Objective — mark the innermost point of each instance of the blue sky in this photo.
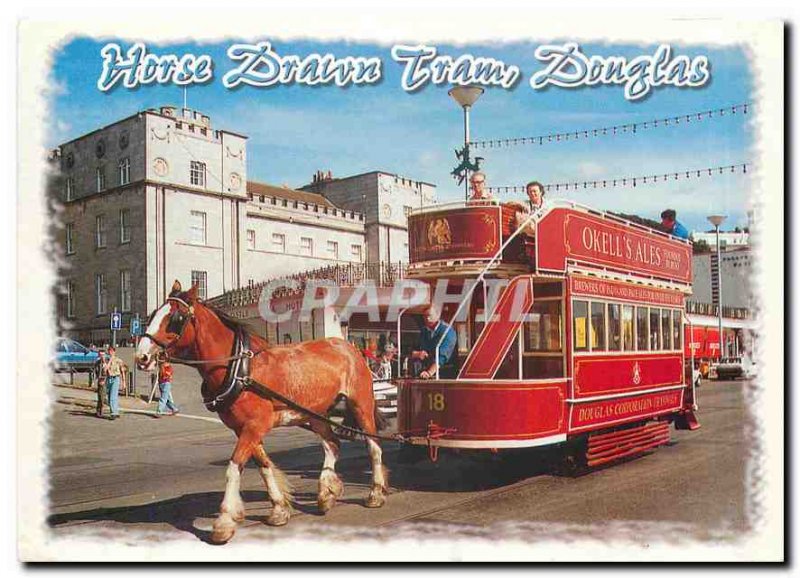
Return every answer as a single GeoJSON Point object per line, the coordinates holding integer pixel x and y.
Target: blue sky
{"type": "Point", "coordinates": [295, 130]}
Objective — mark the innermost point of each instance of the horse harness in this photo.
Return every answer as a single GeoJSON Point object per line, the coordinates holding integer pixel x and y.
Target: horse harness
{"type": "Point", "coordinates": [237, 377]}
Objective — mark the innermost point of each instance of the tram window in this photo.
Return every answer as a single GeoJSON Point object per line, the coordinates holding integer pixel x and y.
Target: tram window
{"type": "Point", "coordinates": [543, 330]}
{"type": "Point", "coordinates": [666, 330]}
{"type": "Point", "coordinates": [580, 312]}
{"type": "Point", "coordinates": [598, 326]}
{"type": "Point", "coordinates": [627, 327]}
{"type": "Point", "coordinates": [641, 329]}
{"type": "Point", "coordinates": [614, 327]}
{"type": "Point", "coordinates": [655, 329]}
{"type": "Point", "coordinates": [677, 330]}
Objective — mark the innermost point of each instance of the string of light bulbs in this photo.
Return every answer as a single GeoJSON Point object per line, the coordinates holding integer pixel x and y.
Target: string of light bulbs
{"type": "Point", "coordinates": [628, 181]}
{"type": "Point", "coordinates": [628, 128]}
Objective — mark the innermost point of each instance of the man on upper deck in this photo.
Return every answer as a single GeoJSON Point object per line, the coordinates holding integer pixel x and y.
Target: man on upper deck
{"type": "Point", "coordinates": [535, 192]}
{"type": "Point", "coordinates": [478, 184]}
{"type": "Point", "coordinates": [425, 361]}
{"type": "Point", "coordinates": [672, 226]}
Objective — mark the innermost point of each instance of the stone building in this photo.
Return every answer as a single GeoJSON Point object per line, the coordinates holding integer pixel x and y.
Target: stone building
{"type": "Point", "coordinates": [162, 195]}
{"type": "Point", "coordinates": [736, 274]}
{"type": "Point", "coordinates": [385, 199]}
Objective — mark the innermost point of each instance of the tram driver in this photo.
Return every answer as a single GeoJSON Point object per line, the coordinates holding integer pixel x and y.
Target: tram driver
{"type": "Point", "coordinates": [424, 361]}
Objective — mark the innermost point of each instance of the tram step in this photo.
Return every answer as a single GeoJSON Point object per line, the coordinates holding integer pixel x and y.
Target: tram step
{"type": "Point", "coordinates": [625, 436]}
{"type": "Point", "coordinates": [604, 448]}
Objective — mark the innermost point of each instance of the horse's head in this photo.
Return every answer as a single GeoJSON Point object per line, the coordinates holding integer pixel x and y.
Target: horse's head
{"type": "Point", "coordinates": [169, 328]}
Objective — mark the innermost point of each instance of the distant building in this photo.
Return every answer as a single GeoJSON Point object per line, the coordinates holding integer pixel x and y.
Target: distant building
{"type": "Point", "coordinates": [727, 240]}
{"type": "Point", "coordinates": [736, 277]}
{"type": "Point", "coordinates": [161, 195]}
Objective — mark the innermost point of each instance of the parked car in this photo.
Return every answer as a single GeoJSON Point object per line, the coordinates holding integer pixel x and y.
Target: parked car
{"type": "Point", "coordinates": [71, 356]}
{"type": "Point", "coordinates": [727, 369]}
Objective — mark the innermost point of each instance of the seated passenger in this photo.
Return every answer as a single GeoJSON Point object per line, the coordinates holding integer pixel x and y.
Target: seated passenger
{"type": "Point", "coordinates": [672, 226]}
{"type": "Point", "coordinates": [478, 183]}
{"type": "Point", "coordinates": [424, 361]}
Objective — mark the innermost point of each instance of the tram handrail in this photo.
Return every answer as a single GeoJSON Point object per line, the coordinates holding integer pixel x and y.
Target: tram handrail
{"type": "Point", "coordinates": [532, 217]}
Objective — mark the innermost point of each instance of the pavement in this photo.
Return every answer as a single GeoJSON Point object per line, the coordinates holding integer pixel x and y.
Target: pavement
{"type": "Point", "coordinates": [166, 476]}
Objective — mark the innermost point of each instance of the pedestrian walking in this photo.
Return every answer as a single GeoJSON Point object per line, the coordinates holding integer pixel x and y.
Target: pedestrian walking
{"type": "Point", "coordinates": [114, 368]}
{"type": "Point", "coordinates": [165, 402]}
{"type": "Point", "coordinates": [100, 379]}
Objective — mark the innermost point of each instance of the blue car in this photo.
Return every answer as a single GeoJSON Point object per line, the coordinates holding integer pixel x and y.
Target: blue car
{"type": "Point", "coordinates": [73, 357]}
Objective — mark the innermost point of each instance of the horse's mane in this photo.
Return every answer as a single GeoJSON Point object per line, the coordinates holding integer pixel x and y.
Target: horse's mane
{"type": "Point", "coordinates": [231, 323]}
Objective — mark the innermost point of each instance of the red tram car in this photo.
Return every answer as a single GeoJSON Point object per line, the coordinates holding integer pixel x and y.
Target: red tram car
{"type": "Point", "coordinates": [584, 340]}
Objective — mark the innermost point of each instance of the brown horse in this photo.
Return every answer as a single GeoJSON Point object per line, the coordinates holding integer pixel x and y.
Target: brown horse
{"type": "Point", "coordinates": [313, 374]}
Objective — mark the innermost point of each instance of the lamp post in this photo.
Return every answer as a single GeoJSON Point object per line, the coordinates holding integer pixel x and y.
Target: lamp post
{"type": "Point", "coordinates": [717, 220]}
{"type": "Point", "coordinates": [466, 96]}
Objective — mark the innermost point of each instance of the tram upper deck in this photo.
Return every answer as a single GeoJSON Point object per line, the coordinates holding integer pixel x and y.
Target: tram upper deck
{"type": "Point", "coordinates": [474, 237]}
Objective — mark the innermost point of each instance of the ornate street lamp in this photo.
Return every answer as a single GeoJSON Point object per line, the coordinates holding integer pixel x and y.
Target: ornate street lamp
{"type": "Point", "coordinates": [717, 220]}
{"type": "Point", "coordinates": [466, 96]}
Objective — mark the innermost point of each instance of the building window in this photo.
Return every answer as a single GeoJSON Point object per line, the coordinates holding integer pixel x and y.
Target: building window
{"type": "Point", "coordinates": [124, 226]}
{"type": "Point", "coordinates": [125, 290]}
{"type": "Point", "coordinates": [100, 178]}
{"type": "Point", "coordinates": [197, 228]}
{"type": "Point", "coordinates": [125, 171]}
{"type": "Point", "coordinates": [70, 299]}
{"type": "Point", "coordinates": [251, 239]}
{"type": "Point", "coordinates": [197, 173]}
{"type": "Point", "coordinates": [70, 231]}
{"type": "Point", "coordinates": [580, 313]}
{"type": "Point", "coordinates": [200, 278]}
{"type": "Point", "coordinates": [355, 252]}
{"type": "Point", "coordinates": [307, 246]}
{"type": "Point", "coordinates": [101, 299]}
{"type": "Point", "coordinates": [100, 231]}
{"type": "Point", "coordinates": [407, 210]}
{"type": "Point", "coordinates": [333, 249]}
{"type": "Point", "coordinates": [69, 188]}
{"type": "Point", "coordinates": [278, 242]}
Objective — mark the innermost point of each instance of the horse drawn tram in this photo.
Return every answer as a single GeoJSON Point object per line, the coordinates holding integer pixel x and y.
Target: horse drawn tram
{"type": "Point", "coordinates": [583, 343]}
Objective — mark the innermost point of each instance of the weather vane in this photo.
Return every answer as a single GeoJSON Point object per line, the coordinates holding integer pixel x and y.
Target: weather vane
{"type": "Point", "coordinates": [465, 166]}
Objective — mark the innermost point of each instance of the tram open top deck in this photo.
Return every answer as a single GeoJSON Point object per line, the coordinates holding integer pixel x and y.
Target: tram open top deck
{"type": "Point", "coordinates": [464, 238]}
{"type": "Point", "coordinates": [600, 342]}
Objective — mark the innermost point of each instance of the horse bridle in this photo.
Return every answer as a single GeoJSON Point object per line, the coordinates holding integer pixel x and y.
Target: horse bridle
{"type": "Point", "coordinates": [176, 325]}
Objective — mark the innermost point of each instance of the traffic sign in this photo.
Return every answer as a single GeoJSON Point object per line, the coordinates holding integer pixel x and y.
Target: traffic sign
{"type": "Point", "coordinates": [116, 321]}
{"type": "Point", "coordinates": [136, 326]}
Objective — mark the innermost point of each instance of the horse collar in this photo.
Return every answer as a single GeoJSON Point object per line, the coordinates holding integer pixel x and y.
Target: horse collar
{"type": "Point", "coordinates": [236, 376]}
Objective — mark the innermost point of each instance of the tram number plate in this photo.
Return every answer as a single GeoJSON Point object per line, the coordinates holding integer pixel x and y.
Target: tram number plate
{"type": "Point", "coordinates": [436, 401]}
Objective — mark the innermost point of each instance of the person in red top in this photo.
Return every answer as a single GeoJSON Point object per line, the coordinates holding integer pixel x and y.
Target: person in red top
{"type": "Point", "coordinates": [165, 402]}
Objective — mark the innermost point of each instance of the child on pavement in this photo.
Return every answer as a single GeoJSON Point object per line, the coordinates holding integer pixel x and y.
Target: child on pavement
{"type": "Point", "coordinates": [165, 385]}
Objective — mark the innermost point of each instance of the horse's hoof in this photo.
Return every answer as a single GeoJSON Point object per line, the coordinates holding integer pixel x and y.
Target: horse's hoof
{"type": "Point", "coordinates": [376, 498]}
{"type": "Point", "coordinates": [326, 503]}
{"type": "Point", "coordinates": [279, 516]}
{"type": "Point", "coordinates": [223, 530]}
